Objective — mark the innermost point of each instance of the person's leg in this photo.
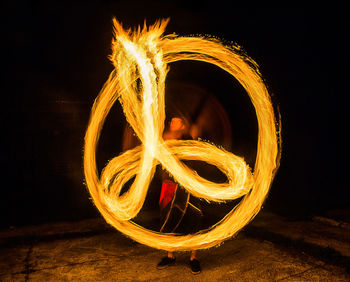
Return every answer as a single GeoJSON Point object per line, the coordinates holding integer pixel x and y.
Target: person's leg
{"type": "Point", "coordinates": [194, 263]}
{"type": "Point", "coordinates": [193, 254]}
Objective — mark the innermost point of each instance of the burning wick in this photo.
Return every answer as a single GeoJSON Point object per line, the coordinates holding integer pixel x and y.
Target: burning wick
{"type": "Point", "coordinates": [138, 81]}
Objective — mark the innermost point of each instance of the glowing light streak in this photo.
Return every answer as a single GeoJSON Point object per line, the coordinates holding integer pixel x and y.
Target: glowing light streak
{"type": "Point", "coordinates": [143, 56]}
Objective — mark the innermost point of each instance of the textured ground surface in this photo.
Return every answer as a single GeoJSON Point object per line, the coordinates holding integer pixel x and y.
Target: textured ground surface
{"type": "Point", "coordinates": [269, 249]}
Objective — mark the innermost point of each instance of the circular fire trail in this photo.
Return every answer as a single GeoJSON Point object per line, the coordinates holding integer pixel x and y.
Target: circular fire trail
{"type": "Point", "coordinates": [138, 82]}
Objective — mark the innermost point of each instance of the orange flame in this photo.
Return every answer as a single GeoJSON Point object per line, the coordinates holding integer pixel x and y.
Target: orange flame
{"type": "Point", "coordinates": [138, 81]}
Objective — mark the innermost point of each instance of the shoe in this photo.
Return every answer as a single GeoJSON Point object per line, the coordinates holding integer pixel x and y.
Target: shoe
{"type": "Point", "coordinates": [195, 266]}
{"type": "Point", "coordinates": [165, 262]}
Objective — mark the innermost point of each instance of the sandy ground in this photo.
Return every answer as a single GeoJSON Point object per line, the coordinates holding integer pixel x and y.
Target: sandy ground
{"type": "Point", "coordinates": [271, 248]}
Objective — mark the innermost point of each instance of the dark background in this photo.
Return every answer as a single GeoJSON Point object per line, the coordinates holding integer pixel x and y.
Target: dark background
{"type": "Point", "coordinates": [55, 62]}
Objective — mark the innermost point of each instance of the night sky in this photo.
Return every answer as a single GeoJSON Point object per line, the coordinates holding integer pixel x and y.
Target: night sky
{"type": "Point", "coordinates": [56, 63]}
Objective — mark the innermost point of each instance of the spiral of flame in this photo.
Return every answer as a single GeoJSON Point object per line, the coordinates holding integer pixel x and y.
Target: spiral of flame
{"type": "Point", "coordinates": [143, 56]}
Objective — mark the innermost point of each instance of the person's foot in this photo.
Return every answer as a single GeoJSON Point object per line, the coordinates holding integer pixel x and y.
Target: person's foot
{"type": "Point", "coordinates": [165, 262]}
{"type": "Point", "coordinates": [195, 266]}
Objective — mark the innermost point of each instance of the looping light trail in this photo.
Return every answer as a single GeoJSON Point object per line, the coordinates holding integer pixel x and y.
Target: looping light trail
{"type": "Point", "coordinates": [138, 81]}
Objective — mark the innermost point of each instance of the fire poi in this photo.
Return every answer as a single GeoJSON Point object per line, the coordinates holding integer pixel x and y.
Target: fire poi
{"type": "Point", "coordinates": [143, 56]}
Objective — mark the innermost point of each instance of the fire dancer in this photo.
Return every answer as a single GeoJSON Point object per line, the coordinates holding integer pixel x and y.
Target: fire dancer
{"type": "Point", "coordinates": [180, 212]}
